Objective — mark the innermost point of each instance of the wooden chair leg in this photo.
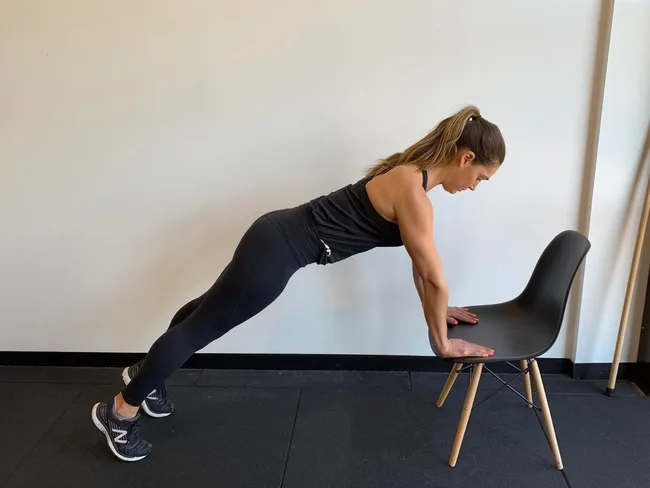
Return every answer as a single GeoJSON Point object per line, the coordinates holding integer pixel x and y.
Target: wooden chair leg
{"type": "Point", "coordinates": [546, 413]}
{"type": "Point", "coordinates": [527, 386]}
{"type": "Point", "coordinates": [449, 383]}
{"type": "Point", "coordinates": [464, 416]}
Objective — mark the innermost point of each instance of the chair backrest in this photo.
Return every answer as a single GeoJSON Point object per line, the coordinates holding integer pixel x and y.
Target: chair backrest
{"type": "Point", "coordinates": [547, 290]}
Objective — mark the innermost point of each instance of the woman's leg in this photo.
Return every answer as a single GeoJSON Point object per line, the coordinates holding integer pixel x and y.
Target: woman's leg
{"type": "Point", "coordinates": [258, 273]}
{"type": "Point", "coordinates": [185, 311]}
{"type": "Point", "coordinates": [156, 404]}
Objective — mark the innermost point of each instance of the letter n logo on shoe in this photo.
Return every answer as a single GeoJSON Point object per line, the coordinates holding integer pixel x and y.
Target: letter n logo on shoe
{"type": "Point", "coordinates": [121, 438]}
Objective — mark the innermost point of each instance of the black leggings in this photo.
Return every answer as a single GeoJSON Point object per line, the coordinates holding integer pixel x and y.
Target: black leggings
{"type": "Point", "coordinates": [274, 247]}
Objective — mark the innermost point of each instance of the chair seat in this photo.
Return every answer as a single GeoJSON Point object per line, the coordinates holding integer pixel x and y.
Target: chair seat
{"type": "Point", "coordinates": [512, 331]}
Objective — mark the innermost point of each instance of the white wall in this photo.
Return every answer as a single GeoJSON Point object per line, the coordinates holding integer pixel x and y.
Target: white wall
{"type": "Point", "coordinates": [139, 139]}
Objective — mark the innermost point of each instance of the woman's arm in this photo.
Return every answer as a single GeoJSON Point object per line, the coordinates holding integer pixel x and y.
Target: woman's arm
{"type": "Point", "coordinates": [454, 314]}
{"type": "Point", "coordinates": [415, 219]}
{"type": "Point", "coordinates": [418, 283]}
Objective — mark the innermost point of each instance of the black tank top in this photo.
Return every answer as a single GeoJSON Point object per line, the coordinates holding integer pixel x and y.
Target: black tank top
{"type": "Point", "coordinates": [348, 224]}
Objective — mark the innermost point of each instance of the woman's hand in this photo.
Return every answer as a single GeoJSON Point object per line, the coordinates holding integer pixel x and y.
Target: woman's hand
{"type": "Point", "coordinates": [457, 348]}
{"type": "Point", "coordinates": [459, 314]}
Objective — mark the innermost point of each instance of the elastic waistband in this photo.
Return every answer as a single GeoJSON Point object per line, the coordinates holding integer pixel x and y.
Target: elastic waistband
{"type": "Point", "coordinates": [297, 227]}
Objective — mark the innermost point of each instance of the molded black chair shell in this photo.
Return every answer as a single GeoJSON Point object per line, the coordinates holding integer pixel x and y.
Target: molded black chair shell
{"type": "Point", "coordinates": [527, 326]}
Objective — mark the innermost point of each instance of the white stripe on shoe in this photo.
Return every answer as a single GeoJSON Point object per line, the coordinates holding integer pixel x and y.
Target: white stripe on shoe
{"type": "Point", "coordinates": [98, 423]}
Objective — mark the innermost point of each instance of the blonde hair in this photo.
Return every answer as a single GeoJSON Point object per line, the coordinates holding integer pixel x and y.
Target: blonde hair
{"type": "Point", "coordinates": [464, 129]}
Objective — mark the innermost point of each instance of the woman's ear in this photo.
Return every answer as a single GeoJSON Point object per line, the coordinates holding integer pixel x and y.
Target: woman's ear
{"type": "Point", "coordinates": [467, 158]}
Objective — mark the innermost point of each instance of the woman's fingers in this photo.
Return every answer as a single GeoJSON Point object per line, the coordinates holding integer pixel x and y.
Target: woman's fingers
{"type": "Point", "coordinates": [454, 314]}
{"type": "Point", "coordinates": [478, 350]}
{"type": "Point", "coordinates": [467, 316]}
{"type": "Point", "coordinates": [461, 348]}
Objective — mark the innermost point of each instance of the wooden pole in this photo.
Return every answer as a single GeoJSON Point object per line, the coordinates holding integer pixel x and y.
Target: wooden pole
{"type": "Point", "coordinates": [634, 268]}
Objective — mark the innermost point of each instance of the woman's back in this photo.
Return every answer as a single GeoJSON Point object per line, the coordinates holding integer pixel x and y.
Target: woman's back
{"type": "Point", "coordinates": [361, 216]}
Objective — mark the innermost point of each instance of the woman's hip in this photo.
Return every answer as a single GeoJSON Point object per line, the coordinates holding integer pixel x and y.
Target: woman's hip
{"type": "Point", "coordinates": [296, 227]}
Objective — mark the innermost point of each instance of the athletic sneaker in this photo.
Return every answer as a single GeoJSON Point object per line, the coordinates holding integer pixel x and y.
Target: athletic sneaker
{"type": "Point", "coordinates": [123, 436]}
{"type": "Point", "coordinates": [156, 404]}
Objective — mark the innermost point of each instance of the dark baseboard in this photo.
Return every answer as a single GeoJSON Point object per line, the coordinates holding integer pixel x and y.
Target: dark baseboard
{"type": "Point", "coordinates": [641, 376]}
{"type": "Point", "coordinates": [601, 371]}
{"type": "Point", "coordinates": [345, 362]}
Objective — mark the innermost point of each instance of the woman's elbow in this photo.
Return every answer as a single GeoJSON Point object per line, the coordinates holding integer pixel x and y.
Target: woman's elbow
{"type": "Point", "coordinates": [436, 285]}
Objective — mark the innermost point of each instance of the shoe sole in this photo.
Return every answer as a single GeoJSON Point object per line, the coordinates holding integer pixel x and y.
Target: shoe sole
{"type": "Point", "coordinates": [100, 426]}
{"type": "Point", "coordinates": [127, 379]}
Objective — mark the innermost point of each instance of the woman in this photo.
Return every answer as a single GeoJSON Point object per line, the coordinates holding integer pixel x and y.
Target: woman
{"type": "Point", "coordinates": [388, 207]}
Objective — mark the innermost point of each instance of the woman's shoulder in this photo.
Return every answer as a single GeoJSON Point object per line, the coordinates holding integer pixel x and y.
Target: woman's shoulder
{"type": "Point", "coordinates": [401, 181]}
{"type": "Point", "coordinates": [399, 187]}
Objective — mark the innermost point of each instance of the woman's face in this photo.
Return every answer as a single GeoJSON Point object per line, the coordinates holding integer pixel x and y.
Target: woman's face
{"type": "Point", "coordinates": [464, 174]}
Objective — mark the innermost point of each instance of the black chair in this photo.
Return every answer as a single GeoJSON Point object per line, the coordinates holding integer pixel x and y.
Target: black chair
{"type": "Point", "coordinates": [521, 330]}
